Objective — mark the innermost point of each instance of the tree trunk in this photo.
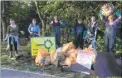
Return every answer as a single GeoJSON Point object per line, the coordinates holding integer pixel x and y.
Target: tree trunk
{"type": "Point", "coordinates": [43, 25]}
{"type": "Point", "coordinates": [3, 26]}
{"type": "Point", "coordinates": [3, 29]}
{"type": "Point", "coordinates": [42, 21]}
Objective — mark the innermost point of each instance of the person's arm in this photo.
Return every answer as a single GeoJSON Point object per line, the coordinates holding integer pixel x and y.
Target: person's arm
{"type": "Point", "coordinates": [117, 20]}
{"type": "Point", "coordinates": [88, 31]}
{"type": "Point", "coordinates": [60, 22]}
{"type": "Point", "coordinates": [38, 30]}
{"type": "Point", "coordinates": [7, 33]}
{"type": "Point", "coordinates": [96, 28]}
{"type": "Point", "coordinates": [84, 32]}
{"type": "Point", "coordinates": [6, 37]}
{"type": "Point", "coordinates": [17, 30]}
{"type": "Point", "coordinates": [75, 28]}
{"type": "Point", "coordinates": [102, 17]}
{"type": "Point", "coordinates": [118, 14]}
{"type": "Point", "coordinates": [51, 22]}
{"type": "Point", "coordinates": [8, 28]}
{"type": "Point", "coordinates": [89, 24]}
{"type": "Point", "coordinates": [29, 28]}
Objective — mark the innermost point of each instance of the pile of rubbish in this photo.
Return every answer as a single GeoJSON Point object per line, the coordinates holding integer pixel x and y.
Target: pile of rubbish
{"type": "Point", "coordinates": [63, 56]}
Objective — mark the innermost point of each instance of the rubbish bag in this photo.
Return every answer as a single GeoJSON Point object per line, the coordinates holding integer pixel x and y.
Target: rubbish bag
{"type": "Point", "coordinates": [57, 57]}
{"type": "Point", "coordinates": [71, 57]}
{"type": "Point", "coordinates": [67, 47]}
{"type": "Point", "coordinates": [42, 58]}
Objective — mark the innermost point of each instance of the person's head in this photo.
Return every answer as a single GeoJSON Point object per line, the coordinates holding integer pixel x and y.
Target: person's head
{"type": "Point", "coordinates": [12, 21]}
{"type": "Point", "coordinates": [93, 18]}
{"type": "Point", "coordinates": [79, 21]}
{"type": "Point", "coordinates": [55, 17]}
{"type": "Point", "coordinates": [33, 21]}
{"type": "Point", "coordinates": [111, 18]}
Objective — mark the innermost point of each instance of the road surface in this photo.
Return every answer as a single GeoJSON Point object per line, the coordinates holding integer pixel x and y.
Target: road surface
{"type": "Point", "coordinates": [11, 73]}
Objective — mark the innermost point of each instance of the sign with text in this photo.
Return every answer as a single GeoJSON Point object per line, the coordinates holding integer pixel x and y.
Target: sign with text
{"type": "Point", "coordinates": [83, 62]}
{"type": "Point", "coordinates": [84, 58]}
{"type": "Point", "coordinates": [42, 43]}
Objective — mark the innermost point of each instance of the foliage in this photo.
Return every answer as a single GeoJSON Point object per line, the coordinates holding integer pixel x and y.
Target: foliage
{"type": "Point", "coordinates": [23, 11]}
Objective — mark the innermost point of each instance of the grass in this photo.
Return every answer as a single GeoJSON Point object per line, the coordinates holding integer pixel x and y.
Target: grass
{"type": "Point", "coordinates": [29, 65]}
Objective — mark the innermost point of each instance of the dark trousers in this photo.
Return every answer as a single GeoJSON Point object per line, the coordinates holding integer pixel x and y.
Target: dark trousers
{"type": "Point", "coordinates": [57, 36]}
{"type": "Point", "coordinates": [34, 35]}
{"type": "Point", "coordinates": [79, 41]}
{"type": "Point", "coordinates": [11, 39]}
{"type": "Point", "coordinates": [56, 32]}
{"type": "Point", "coordinates": [109, 42]}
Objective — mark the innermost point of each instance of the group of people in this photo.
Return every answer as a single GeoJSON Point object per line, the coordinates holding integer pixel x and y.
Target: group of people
{"type": "Point", "coordinates": [82, 32]}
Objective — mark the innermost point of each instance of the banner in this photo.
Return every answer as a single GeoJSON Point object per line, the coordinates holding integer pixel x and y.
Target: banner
{"type": "Point", "coordinates": [83, 62]}
{"type": "Point", "coordinates": [84, 58]}
{"type": "Point", "coordinates": [42, 43]}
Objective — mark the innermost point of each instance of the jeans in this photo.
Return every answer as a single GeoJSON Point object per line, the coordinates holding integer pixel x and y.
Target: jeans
{"type": "Point", "coordinates": [94, 44]}
{"type": "Point", "coordinates": [109, 42]}
{"type": "Point", "coordinates": [13, 40]}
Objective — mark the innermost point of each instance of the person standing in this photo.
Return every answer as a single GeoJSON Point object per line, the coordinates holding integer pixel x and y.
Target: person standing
{"type": "Point", "coordinates": [79, 34]}
{"type": "Point", "coordinates": [110, 30]}
{"type": "Point", "coordinates": [92, 31]}
{"type": "Point", "coordinates": [12, 30]}
{"type": "Point", "coordinates": [56, 23]}
{"type": "Point", "coordinates": [34, 29]}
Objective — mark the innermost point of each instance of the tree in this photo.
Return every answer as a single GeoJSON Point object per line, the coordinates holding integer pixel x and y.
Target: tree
{"type": "Point", "coordinates": [44, 11]}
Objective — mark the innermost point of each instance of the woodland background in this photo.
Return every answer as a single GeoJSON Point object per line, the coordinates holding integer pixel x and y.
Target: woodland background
{"type": "Point", "coordinates": [68, 11]}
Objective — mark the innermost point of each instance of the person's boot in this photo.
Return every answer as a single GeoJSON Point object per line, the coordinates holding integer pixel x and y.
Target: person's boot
{"type": "Point", "coordinates": [111, 52]}
{"type": "Point", "coordinates": [7, 48]}
{"type": "Point", "coordinates": [106, 50]}
{"type": "Point", "coordinates": [92, 67]}
{"type": "Point", "coordinates": [10, 56]}
{"type": "Point", "coordinates": [16, 54]}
